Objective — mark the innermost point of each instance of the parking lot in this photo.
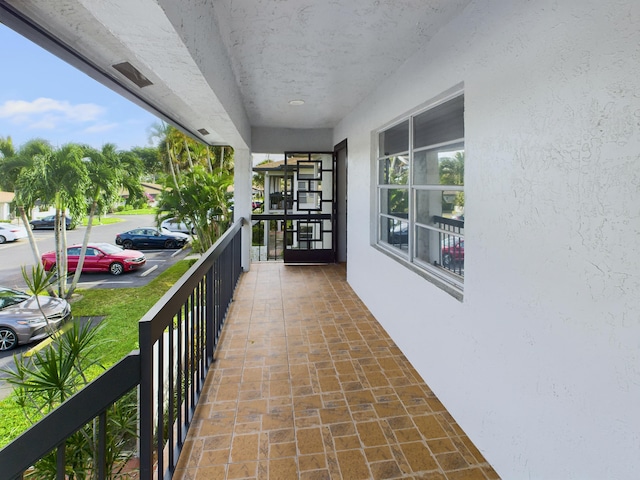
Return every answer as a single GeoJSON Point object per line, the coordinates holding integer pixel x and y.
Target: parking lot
{"type": "Point", "coordinates": [17, 254]}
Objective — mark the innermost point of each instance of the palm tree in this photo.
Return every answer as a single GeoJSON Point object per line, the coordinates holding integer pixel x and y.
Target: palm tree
{"type": "Point", "coordinates": [201, 199]}
{"type": "Point", "coordinates": [12, 164]}
{"type": "Point", "coordinates": [109, 172]}
{"type": "Point", "coordinates": [452, 170]}
{"type": "Point", "coordinates": [58, 178]}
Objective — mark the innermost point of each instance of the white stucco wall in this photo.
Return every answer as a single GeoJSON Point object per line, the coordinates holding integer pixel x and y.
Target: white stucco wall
{"type": "Point", "coordinates": [540, 363]}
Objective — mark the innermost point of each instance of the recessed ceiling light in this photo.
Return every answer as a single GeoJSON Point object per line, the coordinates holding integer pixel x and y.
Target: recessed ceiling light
{"type": "Point", "coordinates": [296, 102]}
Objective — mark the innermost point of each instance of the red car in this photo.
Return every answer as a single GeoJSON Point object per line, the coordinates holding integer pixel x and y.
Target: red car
{"type": "Point", "coordinates": [100, 257]}
{"type": "Point", "coordinates": [453, 252]}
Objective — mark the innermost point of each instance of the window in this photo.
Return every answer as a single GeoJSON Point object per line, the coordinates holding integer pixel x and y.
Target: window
{"type": "Point", "coordinates": [420, 190]}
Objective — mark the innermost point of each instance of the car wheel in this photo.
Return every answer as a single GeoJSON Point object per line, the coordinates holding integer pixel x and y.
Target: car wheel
{"type": "Point", "coordinates": [8, 339]}
{"type": "Point", "coordinates": [116, 268]}
{"type": "Point", "coordinates": [169, 244]}
{"type": "Point", "coordinates": [33, 227]}
{"type": "Point", "coordinates": [2, 239]}
{"type": "Point", "coordinates": [127, 244]}
{"type": "Point", "coordinates": [447, 259]}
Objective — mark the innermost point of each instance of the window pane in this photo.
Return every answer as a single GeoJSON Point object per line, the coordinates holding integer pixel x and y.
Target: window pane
{"type": "Point", "coordinates": [325, 160]}
{"type": "Point", "coordinates": [446, 205]}
{"type": "Point", "coordinates": [394, 139]}
{"type": "Point", "coordinates": [439, 166]}
{"type": "Point", "coordinates": [394, 232]}
{"type": "Point", "coordinates": [309, 170]}
{"type": "Point", "coordinates": [395, 201]}
{"type": "Point", "coordinates": [440, 249]}
{"type": "Point", "coordinates": [439, 124]}
{"type": "Point", "coordinates": [394, 170]}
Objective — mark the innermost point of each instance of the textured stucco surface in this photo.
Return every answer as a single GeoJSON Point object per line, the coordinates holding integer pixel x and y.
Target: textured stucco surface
{"type": "Point", "coordinates": [540, 361]}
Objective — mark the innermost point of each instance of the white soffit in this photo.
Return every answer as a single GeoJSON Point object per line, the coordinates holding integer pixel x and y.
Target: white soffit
{"type": "Point", "coordinates": [331, 54]}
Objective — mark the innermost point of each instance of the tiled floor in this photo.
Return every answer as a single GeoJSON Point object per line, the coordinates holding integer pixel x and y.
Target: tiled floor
{"type": "Point", "coordinates": [307, 385]}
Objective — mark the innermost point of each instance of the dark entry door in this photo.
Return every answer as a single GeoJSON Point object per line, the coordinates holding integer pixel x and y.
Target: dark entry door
{"type": "Point", "coordinates": [310, 219]}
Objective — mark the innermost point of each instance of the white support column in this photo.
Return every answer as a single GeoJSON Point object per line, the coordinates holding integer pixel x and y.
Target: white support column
{"type": "Point", "coordinates": [242, 200]}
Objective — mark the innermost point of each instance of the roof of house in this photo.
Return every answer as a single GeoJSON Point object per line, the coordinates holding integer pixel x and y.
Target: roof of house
{"type": "Point", "coordinates": [275, 165]}
{"type": "Point", "coordinates": [6, 197]}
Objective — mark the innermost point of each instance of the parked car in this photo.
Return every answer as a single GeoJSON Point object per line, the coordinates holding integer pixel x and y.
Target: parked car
{"type": "Point", "coordinates": [453, 252]}
{"type": "Point", "coordinates": [399, 234]}
{"type": "Point", "coordinates": [151, 237]}
{"type": "Point", "coordinates": [49, 222]}
{"type": "Point", "coordinates": [21, 320]}
{"type": "Point", "coordinates": [100, 257]}
{"type": "Point", "coordinates": [173, 225]}
{"type": "Point", "coordinates": [11, 233]}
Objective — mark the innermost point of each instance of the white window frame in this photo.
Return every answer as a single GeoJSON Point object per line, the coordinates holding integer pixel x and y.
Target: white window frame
{"type": "Point", "coordinates": [453, 284]}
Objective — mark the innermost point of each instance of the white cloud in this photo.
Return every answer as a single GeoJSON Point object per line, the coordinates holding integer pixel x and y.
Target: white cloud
{"type": "Point", "coordinates": [100, 127]}
{"type": "Point", "coordinates": [47, 113]}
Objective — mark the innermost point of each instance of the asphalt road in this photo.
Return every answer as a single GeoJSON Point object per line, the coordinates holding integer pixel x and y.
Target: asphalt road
{"type": "Point", "coordinates": [16, 254]}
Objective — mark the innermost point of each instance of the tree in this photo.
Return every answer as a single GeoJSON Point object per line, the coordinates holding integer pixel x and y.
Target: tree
{"type": "Point", "coordinates": [197, 183]}
{"type": "Point", "coordinates": [452, 170]}
{"type": "Point", "coordinates": [12, 164]}
{"type": "Point", "coordinates": [452, 173]}
{"type": "Point", "coordinates": [200, 199]}
{"type": "Point", "coordinates": [109, 172]}
{"type": "Point", "coordinates": [151, 161]}
{"type": "Point", "coordinates": [58, 177]}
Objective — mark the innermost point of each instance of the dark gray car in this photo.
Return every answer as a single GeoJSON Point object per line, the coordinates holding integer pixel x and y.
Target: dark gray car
{"type": "Point", "coordinates": [21, 321]}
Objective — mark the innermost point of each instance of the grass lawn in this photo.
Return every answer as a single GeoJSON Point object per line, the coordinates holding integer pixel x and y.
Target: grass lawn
{"type": "Point", "coordinates": [139, 211]}
{"type": "Point", "coordinates": [101, 221]}
{"type": "Point", "coordinates": [118, 335]}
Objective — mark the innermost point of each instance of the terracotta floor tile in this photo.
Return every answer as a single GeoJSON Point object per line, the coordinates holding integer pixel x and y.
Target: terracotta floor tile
{"type": "Point", "coordinates": [282, 468]}
{"type": "Point", "coordinates": [244, 448]}
{"type": "Point", "coordinates": [242, 470]}
{"type": "Point", "coordinates": [307, 385]}
{"type": "Point", "coordinates": [371, 434]}
{"type": "Point", "coordinates": [353, 465]}
{"type": "Point", "coordinates": [309, 440]}
{"type": "Point", "coordinates": [385, 470]}
{"type": "Point", "coordinates": [312, 462]}
{"type": "Point", "coordinates": [419, 457]}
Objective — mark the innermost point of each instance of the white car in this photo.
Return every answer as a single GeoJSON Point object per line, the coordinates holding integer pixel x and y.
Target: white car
{"type": "Point", "coordinates": [173, 225]}
{"type": "Point", "coordinates": [11, 233]}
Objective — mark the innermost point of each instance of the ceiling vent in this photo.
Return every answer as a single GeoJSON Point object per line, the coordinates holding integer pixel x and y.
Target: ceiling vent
{"type": "Point", "coordinates": [203, 131]}
{"type": "Point", "coordinates": [133, 74]}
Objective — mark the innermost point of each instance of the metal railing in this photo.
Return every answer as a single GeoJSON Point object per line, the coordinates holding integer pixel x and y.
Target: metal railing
{"type": "Point", "coordinates": [178, 337]}
{"type": "Point", "coordinates": [451, 243]}
{"type": "Point", "coordinates": [267, 237]}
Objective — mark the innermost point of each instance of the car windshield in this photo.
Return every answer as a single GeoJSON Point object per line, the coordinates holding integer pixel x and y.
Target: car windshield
{"type": "Point", "coordinates": [10, 297]}
{"type": "Point", "coordinates": [108, 248]}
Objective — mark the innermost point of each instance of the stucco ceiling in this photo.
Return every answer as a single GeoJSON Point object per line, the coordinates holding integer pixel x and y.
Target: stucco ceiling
{"type": "Point", "coordinates": [229, 65]}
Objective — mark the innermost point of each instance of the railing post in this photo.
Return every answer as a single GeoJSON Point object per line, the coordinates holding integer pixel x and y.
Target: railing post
{"type": "Point", "coordinates": [209, 307]}
{"type": "Point", "coordinates": [145, 401]}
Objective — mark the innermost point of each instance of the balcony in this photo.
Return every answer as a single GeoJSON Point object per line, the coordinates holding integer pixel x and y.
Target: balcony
{"type": "Point", "coordinates": [301, 383]}
{"type": "Point", "coordinates": [307, 384]}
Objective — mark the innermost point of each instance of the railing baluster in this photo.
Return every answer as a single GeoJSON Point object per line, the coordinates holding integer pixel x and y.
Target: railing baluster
{"type": "Point", "coordinates": [171, 388]}
{"type": "Point", "coordinates": [60, 461]}
{"type": "Point", "coordinates": [102, 445]}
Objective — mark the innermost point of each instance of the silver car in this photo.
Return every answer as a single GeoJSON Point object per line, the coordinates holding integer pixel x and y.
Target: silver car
{"type": "Point", "coordinates": [21, 320]}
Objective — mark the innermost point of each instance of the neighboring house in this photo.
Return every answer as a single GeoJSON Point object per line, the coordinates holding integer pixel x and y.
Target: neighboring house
{"type": "Point", "coordinates": [533, 342]}
{"type": "Point", "coordinates": [151, 192]}
{"type": "Point", "coordinates": [5, 205]}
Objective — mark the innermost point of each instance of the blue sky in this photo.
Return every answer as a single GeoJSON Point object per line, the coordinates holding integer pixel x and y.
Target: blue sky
{"type": "Point", "coordinates": [43, 97]}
